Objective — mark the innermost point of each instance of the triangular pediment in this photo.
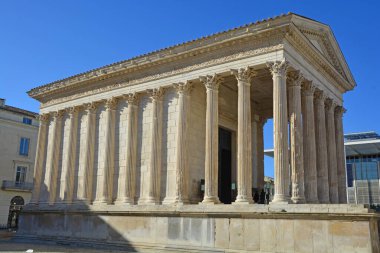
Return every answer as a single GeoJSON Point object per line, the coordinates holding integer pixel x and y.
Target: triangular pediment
{"type": "Point", "coordinates": [322, 38]}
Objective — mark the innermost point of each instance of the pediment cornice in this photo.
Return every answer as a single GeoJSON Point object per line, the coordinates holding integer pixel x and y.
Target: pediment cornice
{"type": "Point", "coordinates": [263, 37]}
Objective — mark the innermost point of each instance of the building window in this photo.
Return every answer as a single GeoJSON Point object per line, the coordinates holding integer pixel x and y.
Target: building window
{"type": "Point", "coordinates": [24, 146]}
{"type": "Point", "coordinates": [27, 121]}
{"type": "Point", "coordinates": [20, 174]}
{"type": "Point", "coordinates": [350, 175]}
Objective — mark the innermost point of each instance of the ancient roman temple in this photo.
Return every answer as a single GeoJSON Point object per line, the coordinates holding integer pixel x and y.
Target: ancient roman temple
{"type": "Point", "coordinates": [165, 150]}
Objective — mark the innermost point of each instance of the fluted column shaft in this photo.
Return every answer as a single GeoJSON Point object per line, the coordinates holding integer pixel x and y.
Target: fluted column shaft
{"type": "Point", "coordinates": [105, 177]}
{"type": "Point", "coordinates": [309, 151]}
{"type": "Point", "coordinates": [331, 151]}
{"type": "Point", "coordinates": [280, 127]}
{"type": "Point", "coordinates": [181, 187]}
{"type": "Point", "coordinates": [254, 151]}
{"type": "Point", "coordinates": [86, 168]}
{"type": "Point", "coordinates": [51, 176]}
{"type": "Point", "coordinates": [212, 126]}
{"type": "Point", "coordinates": [127, 175]}
{"type": "Point", "coordinates": [340, 155]}
{"type": "Point", "coordinates": [244, 135]}
{"type": "Point", "coordinates": [260, 153]}
{"type": "Point", "coordinates": [321, 147]}
{"type": "Point", "coordinates": [296, 137]}
{"type": "Point", "coordinates": [40, 158]}
{"type": "Point", "coordinates": [68, 166]}
{"type": "Point", "coordinates": [153, 197]}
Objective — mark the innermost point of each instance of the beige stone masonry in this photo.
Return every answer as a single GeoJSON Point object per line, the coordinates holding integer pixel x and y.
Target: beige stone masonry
{"type": "Point", "coordinates": [280, 129]}
{"type": "Point", "coordinates": [309, 150]}
{"type": "Point", "coordinates": [104, 191]}
{"type": "Point", "coordinates": [331, 151]}
{"type": "Point", "coordinates": [127, 177]}
{"type": "Point", "coordinates": [340, 155]}
{"type": "Point", "coordinates": [153, 197]}
{"type": "Point", "coordinates": [211, 160]}
{"type": "Point", "coordinates": [40, 158]}
{"type": "Point", "coordinates": [295, 80]}
{"type": "Point", "coordinates": [86, 167]}
{"type": "Point", "coordinates": [68, 166]}
{"type": "Point", "coordinates": [321, 147]}
{"type": "Point", "coordinates": [51, 174]}
{"type": "Point", "coordinates": [244, 151]}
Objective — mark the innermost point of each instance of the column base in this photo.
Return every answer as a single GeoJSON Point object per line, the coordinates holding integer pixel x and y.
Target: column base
{"type": "Point", "coordinates": [298, 200]}
{"type": "Point", "coordinates": [124, 201]}
{"type": "Point", "coordinates": [100, 202]}
{"type": "Point", "coordinates": [241, 200]}
{"type": "Point", "coordinates": [148, 201]}
{"type": "Point", "coordinates": [280, 199]}
{"type": "Point", "coordinates": [175, 201]}
{"type": "Point", "coordinates": [210, 200]}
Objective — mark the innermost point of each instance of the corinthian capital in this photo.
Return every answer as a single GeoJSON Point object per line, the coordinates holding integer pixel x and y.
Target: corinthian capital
{"type": "Point", "coordinates": [330, 104]}
{"type": "Point", "coordinates": [132, 98]}
{"type": "Point", "coordinates": [91, 107]}
{"type": "Point", "coordinates": [339, 111]}
{"type": "Point", "coordinates": [244, 74]}
{"type": "Point", "coordinates": [183, 88]}
{"type": "Point", "coordinates": [320, 95]}
{"type": "Point", "coordinates": [58, 114]}
{"type": "Point", "coordinates": [295, 78]}
{"type": "Point", "coordinates": [156, 94]}
{"type": "Point", "coordinates": [211, 82]}
{"type": "Point", "coordinates": [308, 88]}
{"type": "Point", "coordinates": [43, 118]}
{"type": "Point", "coordinates": [278, 68]}
{"type": "Point", "coordinates": [111, 103]}
{"type": "Point", "coordinates": [72, 110]}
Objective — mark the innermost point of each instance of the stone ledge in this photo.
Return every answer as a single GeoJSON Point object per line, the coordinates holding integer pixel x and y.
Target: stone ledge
{"type": "Point", "coordinates": [302, 211]}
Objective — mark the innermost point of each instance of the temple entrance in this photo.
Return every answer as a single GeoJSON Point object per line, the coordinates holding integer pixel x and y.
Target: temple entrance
{"type": "Point", "coordinates": [225, 166]}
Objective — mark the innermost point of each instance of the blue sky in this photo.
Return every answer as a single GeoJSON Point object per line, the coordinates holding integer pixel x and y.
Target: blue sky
{"type": "Point", "coordinates": [43, 41]}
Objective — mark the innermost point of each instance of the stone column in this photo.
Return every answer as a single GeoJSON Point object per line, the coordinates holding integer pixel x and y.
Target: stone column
{"type": "Point", "coordinates": [212, 127]}
{"type": "Point", "coordinates": [156, 96]}
{"type": "Point", "coordinates": [40, 158]}
{"type": "Point", "coordinates": [105, 180]}
{"type": "Point", "coordinates": [321, 147]}
{"type": "Point", "coordinates": [309, 150]}
{"type": "Point", "coordinates": [127, 175]}
{"type": "Point", "coordinates": [295, 80]}
{"type": "Point", "coordinates": [68, 165]}
{"type": "Point", "coordinates": [280, 129]}
{"type": "Point", "coordinates": [260, 153]}
{"type": "Point", "coordinates": [254, 156]}
{"type": "Point", "coordinates": [340, 155]}
{"type": "Point", "coordinates": [331, 151]}
{"type": "Point", "coordinates": [86, 163]}
{"type": "Point", "coordinates": [244, 136]}
{"type": "Point", "coordinates": [51, 176]}
{"type": "Point", "coordinates": [182, 173]}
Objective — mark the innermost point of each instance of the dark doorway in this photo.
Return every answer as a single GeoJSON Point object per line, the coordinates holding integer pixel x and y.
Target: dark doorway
{"type": "Point", "coordinates": [224, 176]}
{"type": "Point", "coordinates": [14, 211]}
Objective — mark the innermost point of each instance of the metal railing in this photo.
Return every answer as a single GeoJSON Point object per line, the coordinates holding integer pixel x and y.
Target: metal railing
{"type": "Point", "coordinates": [18, 186]}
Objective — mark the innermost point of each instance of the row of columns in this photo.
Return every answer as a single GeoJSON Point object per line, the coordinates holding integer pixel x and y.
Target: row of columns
{"type": "Point", "coordinates": [316, 141]}
{"type": "Point", "coordinates": [316, 136]}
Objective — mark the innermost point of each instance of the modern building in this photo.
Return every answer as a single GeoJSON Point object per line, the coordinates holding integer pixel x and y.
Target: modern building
{"type": "Point", "coordinates": [362, 151]}
{"type": "Point", "coordinates": [363, 165]}
{"type": "Point", "coordinates": [123, 149]}
{"type": "Point", "coordinates": [18, 141]}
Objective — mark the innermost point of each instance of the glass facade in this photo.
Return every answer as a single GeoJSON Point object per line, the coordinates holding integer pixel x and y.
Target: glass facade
{"type": "Point", "coordinates": [363, 179]}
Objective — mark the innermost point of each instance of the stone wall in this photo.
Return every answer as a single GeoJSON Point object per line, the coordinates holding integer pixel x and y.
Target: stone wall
{"type": "Point", "coordinates": [311, 228]}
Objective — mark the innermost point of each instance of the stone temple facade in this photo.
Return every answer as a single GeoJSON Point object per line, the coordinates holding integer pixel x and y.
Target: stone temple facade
{"type": "Point", "coordinates": [146, 153]}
